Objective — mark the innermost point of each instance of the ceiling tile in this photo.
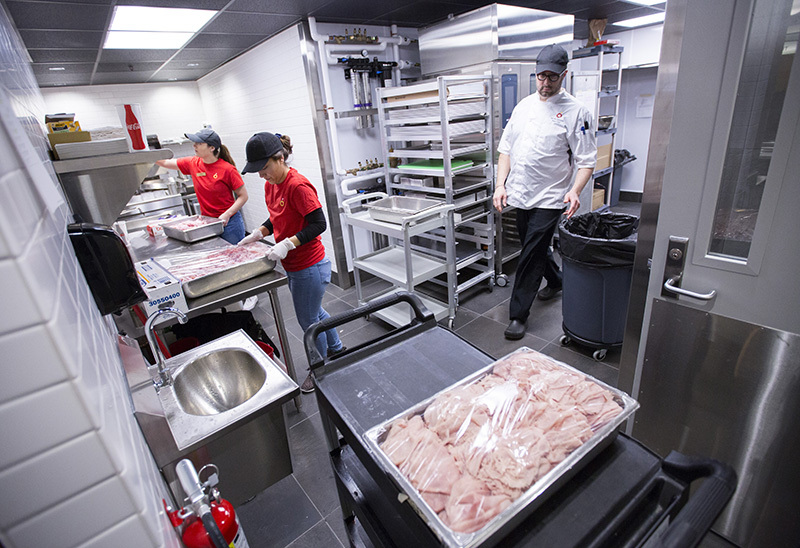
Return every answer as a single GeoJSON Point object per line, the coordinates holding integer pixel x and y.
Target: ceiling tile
{"type": "Point", "coordinates": [47, 80]}
{"type": "Point", "coordinates": [288, 7]}
{"type": "Point", "coordinates": [195, 66]}
{"type": "Point", "coordinates": [206, 54]}
{"type": "Point", "coordinates": [128, 67]}
{"type": "Point", "coordinates": [63, 55]}
{"type": "Point", "coordinates": [191, 4]}
{"type": "Point", "coordinates": [181, 75]}
{"type": "Point", "coordinates": [250, 23]}
{"type": "Point", "coordinates": [120, 77]}
{"type": "Point", "coordinates": [215, 40]}
{"type": "Point", "coordinates": [57, 39]}
{"type": "Point", "coordinates": [135, 55]}
{"type": "Point", "coordinates": [45, 15]}
{"type": "Point", "coordinates": [69, 68]}
{"type": "Point", "coordinates": [420, 13]}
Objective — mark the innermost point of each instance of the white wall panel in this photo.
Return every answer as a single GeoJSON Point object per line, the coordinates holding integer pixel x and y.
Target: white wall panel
{"type": "Point", "coordinates": [168, 109]}
{"type": "Point", "coordinates": [265, 90]}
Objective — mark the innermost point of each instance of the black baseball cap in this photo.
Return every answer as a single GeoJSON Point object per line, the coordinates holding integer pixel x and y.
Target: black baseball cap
{"type": "Point", "coordinates": [553, 58]}
{"type": "Point", "coordinates": [259, 149]}
{"type": "Point", "coordinates": [205, 135]}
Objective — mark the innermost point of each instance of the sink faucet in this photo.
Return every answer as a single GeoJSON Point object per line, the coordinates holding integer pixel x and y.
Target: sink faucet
{"type": "Point", "coordinates": [164, 378]}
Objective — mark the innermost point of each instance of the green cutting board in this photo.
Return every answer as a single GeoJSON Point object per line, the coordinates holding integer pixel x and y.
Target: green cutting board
{"type": "Point", "coordinates": [435, 164]}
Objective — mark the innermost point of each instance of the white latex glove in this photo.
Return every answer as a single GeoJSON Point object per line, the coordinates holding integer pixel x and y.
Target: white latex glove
{"type": "Point", "coordinates": [281, 249]}
{"type": "Point", "coordinates": [250, 238]}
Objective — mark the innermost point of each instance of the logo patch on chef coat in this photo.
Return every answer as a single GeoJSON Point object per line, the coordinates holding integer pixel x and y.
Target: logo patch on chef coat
{"type": "Point", "coordinates": [216, 175]}
{"type": "Point", "coordinates": [281, 202]}
{"type": "Point", "coordinates": [560, 115]}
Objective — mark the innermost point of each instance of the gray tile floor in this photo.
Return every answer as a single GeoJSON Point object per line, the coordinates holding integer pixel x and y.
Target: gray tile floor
{"type": "Point", "coordinates": [302, 510]}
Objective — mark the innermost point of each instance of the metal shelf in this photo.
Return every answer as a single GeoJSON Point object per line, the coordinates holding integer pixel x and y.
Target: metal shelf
{"type": "Point", "coordinates": [390, 264]}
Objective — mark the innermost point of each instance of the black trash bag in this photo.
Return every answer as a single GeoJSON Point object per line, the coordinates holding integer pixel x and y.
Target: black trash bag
{"type": "Point", "coordinates": [599, 239]}
{"type": "Point", "coordinates": [209, 327]}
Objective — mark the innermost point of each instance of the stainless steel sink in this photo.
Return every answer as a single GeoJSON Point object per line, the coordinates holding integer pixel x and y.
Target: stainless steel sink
{"type": "Point", "coordinates": [219, 384]}
{"type": "Point", "coordinates": [223, 406]}
{"type": "Point", "coordinates": [218, 381]}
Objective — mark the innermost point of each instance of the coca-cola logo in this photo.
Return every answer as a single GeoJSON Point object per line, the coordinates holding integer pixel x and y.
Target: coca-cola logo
{"type": "Point", "coordinates": [134, 127]}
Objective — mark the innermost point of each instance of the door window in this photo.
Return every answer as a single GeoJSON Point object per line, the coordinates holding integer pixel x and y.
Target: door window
{"type": "Point", "coordinates": [766, 66]}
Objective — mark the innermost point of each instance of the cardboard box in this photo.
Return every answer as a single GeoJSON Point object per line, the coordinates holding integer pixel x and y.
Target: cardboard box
{"type": "Point", "coordinates": [67, 137]}
{"type": "Point", "coordinates": [162, 288]}
{"type": "Point", "coordinates": [598, 198]}
{"type": "Point", "coordinates": [433, 94]}
{"type": "Point", "coordinates": [604, 155]}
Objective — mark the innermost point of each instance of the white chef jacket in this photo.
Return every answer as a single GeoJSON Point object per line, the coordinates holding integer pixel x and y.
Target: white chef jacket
{"type": "Point", "coordinates": [537, 139]}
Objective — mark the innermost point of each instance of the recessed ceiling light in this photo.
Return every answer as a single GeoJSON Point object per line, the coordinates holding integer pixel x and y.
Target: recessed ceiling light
{"type": "Point", "coordinates": [171, 79]}
{"type": "Point", "coordinates": [56, 68]}
{"type": "Point", "coordinates": [641, 21]}
{"type": "Point", "coordinates": [646, 2]}
{"type": "Point", "coordinates": [141, 27]}
{"type": "Point", "coordinates": [193, 64]}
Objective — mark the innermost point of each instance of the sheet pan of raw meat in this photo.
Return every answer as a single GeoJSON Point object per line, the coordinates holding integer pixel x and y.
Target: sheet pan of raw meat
{"type": "Point", "coordinates": [206, 271]}
{"type": "Point", "coordinates": [479, 456]}
{"type": "Point", "coordinates": [194, 228]}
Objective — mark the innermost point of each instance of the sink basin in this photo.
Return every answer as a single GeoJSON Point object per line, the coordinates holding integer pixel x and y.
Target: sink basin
{"type": "Point", "coordinates": [215, 387]}
{"type": "Point", "coordinates": [218, 381]}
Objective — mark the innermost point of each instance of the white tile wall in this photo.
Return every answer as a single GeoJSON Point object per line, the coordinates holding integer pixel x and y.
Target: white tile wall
{"type": "Point", "coordinates": [74, 467]}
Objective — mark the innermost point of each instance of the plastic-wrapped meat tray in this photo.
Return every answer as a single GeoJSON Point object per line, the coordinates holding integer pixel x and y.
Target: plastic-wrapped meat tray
{"type": "Point", "coordinates": [203, 272]}
{"type": "Point", "coordinates": [478, 457]}
{"type": "Point", "coordinates": [194, 228]}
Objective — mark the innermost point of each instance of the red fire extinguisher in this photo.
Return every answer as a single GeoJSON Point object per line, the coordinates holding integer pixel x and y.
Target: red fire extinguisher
{"type": "Point", "coordinates": [208, 520]}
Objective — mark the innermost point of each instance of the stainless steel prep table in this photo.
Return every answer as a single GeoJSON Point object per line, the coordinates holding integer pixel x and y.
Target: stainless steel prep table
{"type": "Point", "coordinates": [143, 246]}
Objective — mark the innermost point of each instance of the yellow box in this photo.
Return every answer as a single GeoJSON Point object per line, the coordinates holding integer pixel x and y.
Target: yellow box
{"type": "Point", "coordinates": [598, 198]}
{"type": "Point", "coordinates": [67, 137]}
{"type": "Point", "coordinates": [56, 127]}
{"type": "Point", "coordinates": [604, 154]}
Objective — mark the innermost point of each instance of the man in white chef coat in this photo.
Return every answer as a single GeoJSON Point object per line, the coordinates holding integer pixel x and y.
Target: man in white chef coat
{"type": "Point", "coordinates": [549, 135]}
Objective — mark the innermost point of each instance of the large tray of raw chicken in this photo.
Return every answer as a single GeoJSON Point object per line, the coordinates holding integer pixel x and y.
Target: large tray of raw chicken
{"type": "Point", "coordinates": [208, 270]}
{"type": "Point", "coordinates": [478, 457]}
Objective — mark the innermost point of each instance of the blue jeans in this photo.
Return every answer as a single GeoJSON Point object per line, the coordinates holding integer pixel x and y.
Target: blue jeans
{"type": "Point", "coordinates": [307, 287]}
{"type": "Point", "coordinates": [234, 230]}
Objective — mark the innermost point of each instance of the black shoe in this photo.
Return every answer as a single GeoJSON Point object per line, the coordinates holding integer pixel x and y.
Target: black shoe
{"type": "Point", "coordinates": [308, 385]}
{"type": "Point", "coordinates": [333, 353]}
{"type": "Point", "coordinates": [515, 330]}
{"type": "Point", "coordinates": [548, 293]}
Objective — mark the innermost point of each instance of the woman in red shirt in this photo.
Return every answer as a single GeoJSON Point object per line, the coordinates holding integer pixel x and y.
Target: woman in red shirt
{"type": "Point", "coordinates": [216, 181]}
{"type": "Point", "coordinates": [296, 220]}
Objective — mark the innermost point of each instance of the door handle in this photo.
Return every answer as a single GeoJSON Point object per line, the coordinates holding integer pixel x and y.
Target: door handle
{"type": "Point", "coordinates": [670, 286]}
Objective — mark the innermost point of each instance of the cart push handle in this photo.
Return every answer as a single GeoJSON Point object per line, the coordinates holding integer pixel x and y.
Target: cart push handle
{"type": "Point", "coordinates": [698, 515]}
{"type": "Point", "coordinates": [421, 315]}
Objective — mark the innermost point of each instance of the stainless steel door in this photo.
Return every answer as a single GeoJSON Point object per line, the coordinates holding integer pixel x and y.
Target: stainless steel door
{"type": "Point", "coordinates": [712, 348]}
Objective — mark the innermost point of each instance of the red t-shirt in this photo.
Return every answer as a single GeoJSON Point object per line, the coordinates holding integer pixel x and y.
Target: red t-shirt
{"type": "Point", "coordinates": [288, 204]}
{"type": "Point", "coordinates": [213, 183]}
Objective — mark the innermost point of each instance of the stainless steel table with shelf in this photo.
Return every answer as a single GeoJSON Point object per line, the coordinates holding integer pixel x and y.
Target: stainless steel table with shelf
{"type": "Point", "coordinates": [142, 246]}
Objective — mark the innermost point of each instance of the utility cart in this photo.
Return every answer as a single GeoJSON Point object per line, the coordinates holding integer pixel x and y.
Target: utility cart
{"type": "Point", "coordinates": [402, 264]}
{"type": "Point", "coordinates": [623, 496]}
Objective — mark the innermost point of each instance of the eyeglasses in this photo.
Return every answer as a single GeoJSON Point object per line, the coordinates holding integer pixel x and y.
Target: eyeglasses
{"type": "Point", "coordinates": [552, 76]}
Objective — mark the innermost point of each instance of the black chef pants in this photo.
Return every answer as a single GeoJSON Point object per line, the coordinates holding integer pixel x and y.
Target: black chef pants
{"type": "Point", "coordinates": [535, 228]}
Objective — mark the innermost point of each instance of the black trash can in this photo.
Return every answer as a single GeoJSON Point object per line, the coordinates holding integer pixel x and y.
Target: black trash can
{"type": "Point", "coordinates": [597, 252]}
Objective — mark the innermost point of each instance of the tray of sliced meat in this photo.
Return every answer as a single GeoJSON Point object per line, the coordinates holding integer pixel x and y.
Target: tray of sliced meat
{"type": "Point", "coordinates": [194, 228]}
{"type": "Point", "coordinates": [203, 272]}
{"type": "Point", "coordinates": [478, 457]}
